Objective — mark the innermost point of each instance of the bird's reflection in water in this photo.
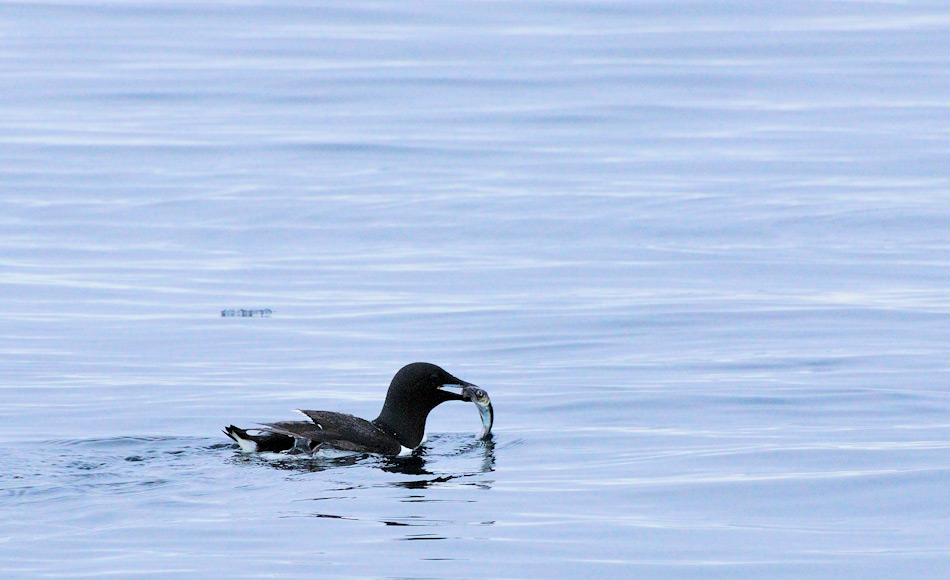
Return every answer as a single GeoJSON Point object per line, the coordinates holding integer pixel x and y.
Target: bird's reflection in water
{"type": "Point", "coordinates": [447, 461]}
{"type": "Point", "coordinates": [415, 465]}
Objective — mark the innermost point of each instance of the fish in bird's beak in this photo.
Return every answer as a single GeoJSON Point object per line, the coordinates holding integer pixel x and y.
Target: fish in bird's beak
{"type": "Point", "coordinates": [483, 403]}
{"type": "Point", "coordinates": [477, 395]}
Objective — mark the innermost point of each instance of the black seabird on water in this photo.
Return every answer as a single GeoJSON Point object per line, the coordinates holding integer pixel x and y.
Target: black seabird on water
{"type": "Point", "coordinates": [415, 390]}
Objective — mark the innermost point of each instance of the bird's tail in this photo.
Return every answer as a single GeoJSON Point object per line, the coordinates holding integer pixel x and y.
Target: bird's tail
{"type": "Point", "coordinates": [253, 443]}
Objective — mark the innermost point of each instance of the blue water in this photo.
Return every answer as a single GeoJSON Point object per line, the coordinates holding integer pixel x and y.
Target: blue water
{"type": "Point", "coordinates": [697, 252]}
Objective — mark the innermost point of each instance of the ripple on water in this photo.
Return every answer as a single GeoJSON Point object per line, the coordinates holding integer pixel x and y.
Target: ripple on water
{"type": "Point", "coordinates": [58, 469]}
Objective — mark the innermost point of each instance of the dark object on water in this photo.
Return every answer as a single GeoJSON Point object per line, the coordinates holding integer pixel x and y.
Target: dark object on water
{"type": "Point", "coordinates": [415, 390]}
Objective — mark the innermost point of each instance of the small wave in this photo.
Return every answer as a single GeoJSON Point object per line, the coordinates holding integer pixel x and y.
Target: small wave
{"type": "Point", "coordinates": [114, 465]}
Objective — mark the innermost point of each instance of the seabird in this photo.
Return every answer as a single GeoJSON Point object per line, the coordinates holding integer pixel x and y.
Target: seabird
{"type": "Point", "coordinates": [415, 390]}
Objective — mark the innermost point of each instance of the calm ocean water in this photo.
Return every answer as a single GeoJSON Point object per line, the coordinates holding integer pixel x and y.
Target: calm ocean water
{"type": "Point", "coordinates": [697, 252]}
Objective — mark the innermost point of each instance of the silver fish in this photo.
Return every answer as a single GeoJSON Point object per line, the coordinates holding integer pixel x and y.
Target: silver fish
{"type": "Point", "coordinates": [480, 397]}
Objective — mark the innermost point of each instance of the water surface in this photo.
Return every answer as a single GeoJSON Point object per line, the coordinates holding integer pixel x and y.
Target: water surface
{"type": "Point", "coordinates": [695, 251]}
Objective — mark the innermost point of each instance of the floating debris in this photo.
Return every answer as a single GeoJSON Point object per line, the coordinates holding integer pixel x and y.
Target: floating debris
{"type": "Point", "coordinates": [242, 313]}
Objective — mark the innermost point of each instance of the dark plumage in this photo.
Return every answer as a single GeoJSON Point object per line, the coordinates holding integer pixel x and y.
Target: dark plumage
{"type": "Point", "coordinates": [415, 390]}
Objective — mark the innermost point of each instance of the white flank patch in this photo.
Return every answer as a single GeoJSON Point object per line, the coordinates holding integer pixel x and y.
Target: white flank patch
{"type": "Point", "coordinates": [247, 446]}
{"type": "Point", "coordinates": [330, 453]}
{"type": "Point", "coordinates": [309, 418]}
{"type": "Point", "coordinates": [404, 451]}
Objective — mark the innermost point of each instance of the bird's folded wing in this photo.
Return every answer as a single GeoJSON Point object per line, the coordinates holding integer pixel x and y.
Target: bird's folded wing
{"type": "Point", "coordinates": [301, 429]}
{"type": "Point", "coordinates": [338, 430]}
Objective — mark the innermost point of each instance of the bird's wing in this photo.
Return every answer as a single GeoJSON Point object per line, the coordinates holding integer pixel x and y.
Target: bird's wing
{"type": "Point", "coordinates": [338, 430]}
